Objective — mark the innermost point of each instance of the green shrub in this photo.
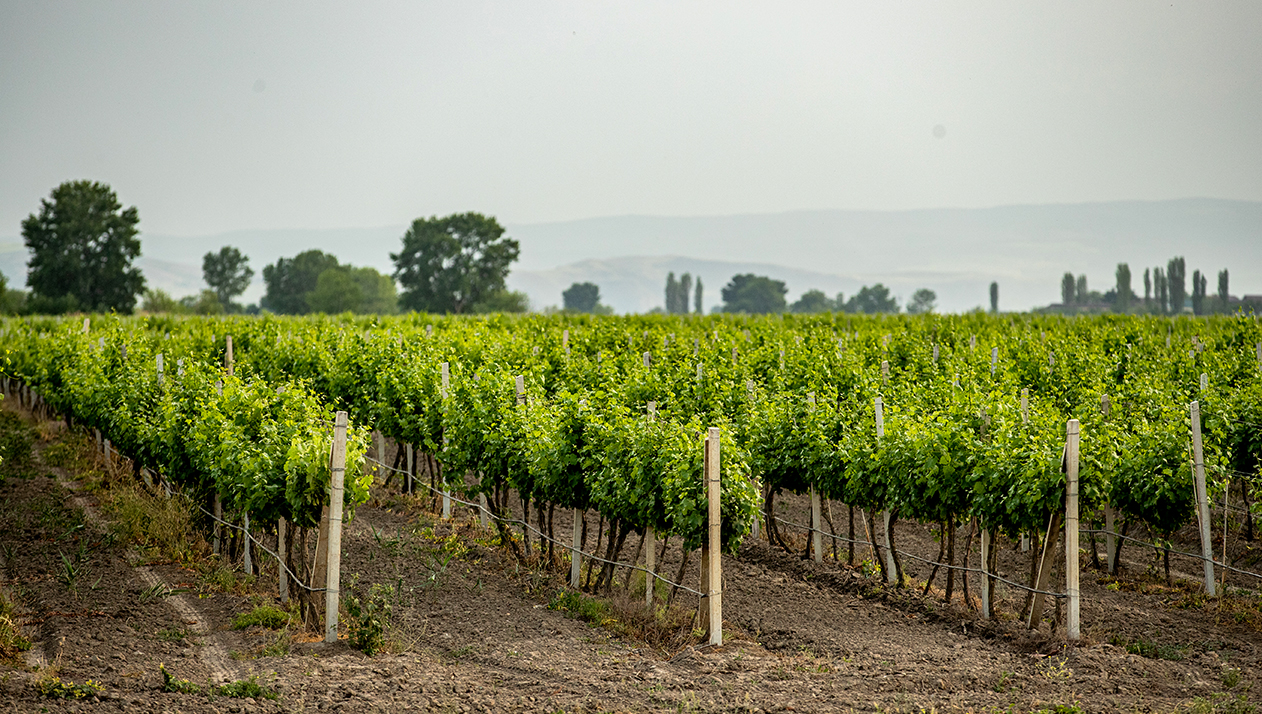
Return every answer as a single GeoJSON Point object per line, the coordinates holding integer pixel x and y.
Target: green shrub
{"type": "Point", "coordinates": [367, 618]}
{"type": "Point", "coordinates": [272, 618]}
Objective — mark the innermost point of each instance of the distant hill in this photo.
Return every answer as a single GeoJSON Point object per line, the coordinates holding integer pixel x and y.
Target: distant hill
{"type": "Point", "coordinates": [955, 252]}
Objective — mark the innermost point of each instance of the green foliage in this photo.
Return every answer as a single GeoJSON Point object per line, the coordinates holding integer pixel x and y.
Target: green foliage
{"type": "Point", "coordinates": [82, 246]}
{"type": "Point", "coordinates": [16, 439]}
{"type": "Point", "coordinates": [54, 688]}
{"type": "Point", "coordinates": [813, 301]}
{"type": "Point", "coordinates": [871, 300]}
{"type": "Point", "coordinates": [156, 300]}
{"type": "Point", "coordinates": [922, 302]}
{"type": "Point", "coordinates": [245, 689]}
{"type": "Point", "coordinates": [754, 294]}
{"type": "Point", "coordinates": [451, 264]}
{"type": "Point", "coordinates": [173, 685]}
{"type": "Point", "coordinates": [502, 301]}
{"type": "Point", "coordinates": [267, 616]}
{"type": "Point", "coordinates": [290, 280]}
{"type": "Point", "coordinates": [1150, 649]}
{"type": "Point", "coordinates": [368, 616]}
{"type": "Point", "coordinates": [227, 272]}
{"type": "Point", "coordinates": [581, 297]}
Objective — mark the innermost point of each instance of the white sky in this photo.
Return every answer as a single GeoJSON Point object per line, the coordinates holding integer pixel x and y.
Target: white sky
{"type": "Point", "coordinates": [217, 116]}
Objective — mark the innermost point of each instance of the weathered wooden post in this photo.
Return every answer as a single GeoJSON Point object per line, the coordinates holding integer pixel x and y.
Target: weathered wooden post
{"type": "Point", "coordinates": [1202, 499]}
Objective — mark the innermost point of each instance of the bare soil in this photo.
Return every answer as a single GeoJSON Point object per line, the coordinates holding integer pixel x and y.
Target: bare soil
{"type": "Point", "coordinates": [472, 630]}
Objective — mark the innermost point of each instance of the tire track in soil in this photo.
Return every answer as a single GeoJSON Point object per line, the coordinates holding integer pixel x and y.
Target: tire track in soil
{"type": "Point", "coordinates": [213, 653]}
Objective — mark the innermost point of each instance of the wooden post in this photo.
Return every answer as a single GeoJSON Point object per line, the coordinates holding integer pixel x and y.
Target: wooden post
{"type": "Point", "coordinates": [1072, 629]}
{"type": "Point", "coordinates": [1202, 499]}
{"type": "Point", "coordinates": [650, 565]}
{"type": "Point", "coordinates": [576, 555]}
{"type": "Point", "coordinates": [228, 356]}
{"type": "Point", "coordinates": [885, 372]}
{"type": "Point", "coordinates": [86, 322]}
{"type": "Point", "coordinates": [333, 581]}
{"type": "Point", "coordinates": [714, 543]}
{"type": "Point", "coordinates": [381, 448]}
{"type": "Point", "coordinates": [1204, 381]}
{"type": "Point", "coordinates": [565, 342]}
{"type": "Point", "coordinates": [1045, 569]}
{"type": "Point", "coordinates": [989, 583]}
{"type": "Point", "coordinates": [521, 389]}
{"type": "Point", "coordinates": [648, 360]}
{"type": "Point", "coordinates": [1105, 405]}
{"type": "Point", "coordinates": [994, 359]}
{"type": "Point", "coordinates": [158, 361]}
{"type": "Point", "coordinates": [282, 586]}
{"type": "Point", "coordinates": [972, 342]}
{"type": "Point", "coordinates": [247, 543]}
{"type": "Point", "coordinates": [935, 353]}
{"type": "Point", "coordinates": [484, 511]}
{"type": "Point", "coordinates": [817, 535]}
{"type": "Point", "coordinates": [1025, 405]}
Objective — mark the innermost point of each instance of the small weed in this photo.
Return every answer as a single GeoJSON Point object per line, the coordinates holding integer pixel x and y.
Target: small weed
{"type": "Point", "coordinates": [1060, 709]}
{"type": "Point", "coordinates": [578, 606]}
{"type": "Point", "coordinates": [1150, 649]}
{"type": "Point", "coordinates": [53, 688]}
{"type": "Point", "coordinates": [1231, 677]}
{"type": "Point", "coordinates": [1055, 668]}
{"type": "Point", "coordinates": [1221, 704]}
{"type": "Point", "coordinates": [71, 571]}
{"type": "Point", "coordinates": [272, 618]}
{"type": "Point", "coordinates": [280, 646]}
{"type": "Point", "coordinates": [12, 641]}
{"type": "Point", "coordinates": [1004, 682]}
{"type": "Point", "coordinates": [172, 634]}
{"type": "Point", "coordinates": [157, 591]}
{"type": "Point", "coordinates": [368, 616]}
{"type": "Point", "coordinates": [246, 689]}
{"type": "Point", "coordinates": [180, 686]}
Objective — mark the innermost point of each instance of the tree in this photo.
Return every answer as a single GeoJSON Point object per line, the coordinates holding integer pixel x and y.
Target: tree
{"type": "Point", "coordinates": [156, 300]}
{"type": "Point", "coordinates": [697, 305]}
{"type": "Point", "coordinates": [227, 272]}
{"type": "Point", "coordinates": [581, 297]}
{"type": "Point", "coordinates": [1162, 289]}
{"type": "Point", "coordinates": [12, 302]}
{"type": "Point", "coordinates": [672, 294]}
{"type": "Point", "coordinates": [503, 301]}
{"type": "Point", "coordinates": [1224, 297]}
{"type": "Point", "coordinates": [1067, 290]}
{"type": "Point", "coordinates": [82, 246]}
{"type": "Point", "coordinates": [685, 291]}
{"type": "Point", "coordinates": [379, 296]}
{"type": "Point", "coordinates": [1198, 293]}
{"type": "Point", "coordinates": [204, 303]}
{"type": "Point", "coordinates": [290, 280]}
{"type": "Point", "coordinates": [1124, 292]}
{"type": "Point", "coordinates": [872, 300]}
{"type": "Point", "coordinates": [922, 302]}
{"type": "Point", "coordinates": [1081, 294]}
{"type": "Point", "coordinates": [812, 301]}
{"type": "Point", "coordinates": [755, 294]}
{"type": "Point", "coordinates": [336, 291]}
{"type": "Point", "coordinates": [1176, 276]}
{"type": "Point", "coordinates": [994, 297]}
{"type": "Point", "coordinates": [1147, 288]}
{"type": "Point", "coordinates": [451, 264]}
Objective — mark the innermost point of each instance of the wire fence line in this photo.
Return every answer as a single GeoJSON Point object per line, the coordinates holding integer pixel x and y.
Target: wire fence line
{"type": "Point", "coordinates": [541, 534]}
{"type": "Point", "coordinates": [1194, 556]}
{"type": "Point", "coordinates": [279, 561]}
{"type": "Point", "coordinates": [913, 556]}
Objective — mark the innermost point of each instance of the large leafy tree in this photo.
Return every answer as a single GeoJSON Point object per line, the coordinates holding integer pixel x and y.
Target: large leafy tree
{"type": "Point", "coordinates": [82, 246]}
{"type": "Point", "coordinates": [581, 297]}
{"type": "Point", "coordinates": [756, 294]}
{"type": "Point", "coordinates": [227, 272]}
{"type": "Point", "coordinates": [872, 299]}
{"type": "Point", "coordinates": [290, 280]}
{"type": "Point", "coordinates": [451, 264]}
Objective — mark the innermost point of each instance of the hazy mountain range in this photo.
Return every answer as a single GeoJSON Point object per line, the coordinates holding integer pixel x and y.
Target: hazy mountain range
{"type": "Point", "coordinates": [955, 252]}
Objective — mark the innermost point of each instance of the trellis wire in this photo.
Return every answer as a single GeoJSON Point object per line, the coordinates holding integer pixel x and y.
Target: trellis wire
{"type": "Point", "coordinates": [297, 580]}
{"type": "Point", "coordinates": [539, 533]}
{"type": "Point", "coordinates": [926, 560]}
{"type": "Point", "coordinates": [1194, 556]}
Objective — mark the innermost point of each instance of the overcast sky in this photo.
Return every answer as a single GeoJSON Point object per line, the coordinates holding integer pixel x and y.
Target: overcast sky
{"type": "Point", "coordinates": [229, 115]}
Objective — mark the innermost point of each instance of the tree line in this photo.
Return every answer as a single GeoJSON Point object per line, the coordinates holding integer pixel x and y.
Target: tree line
{"type": "Point", "coordinates": [1165, 292]}
{"type": "Point", "coordinates": [83, 246]}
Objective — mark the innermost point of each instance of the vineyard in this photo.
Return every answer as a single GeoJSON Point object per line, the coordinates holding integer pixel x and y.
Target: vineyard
{"type": "Point", "coordinates": [916, 425]}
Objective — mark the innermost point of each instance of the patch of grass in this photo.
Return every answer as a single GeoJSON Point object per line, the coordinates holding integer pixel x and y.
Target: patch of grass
{"type": "Point", "coordinates": [1060, 709]}
{"type": "Point", "coordinates": [278, 647]}
{"type": "Point", "coordinates": [625, 616]}
{"type": "Point", "coordinates": [172, 634]}
{"type": "Point", "coordinates": [273, 618]}
{"type": "Point", "coordinates": [1231, 677]}
{"type": "Point", "coordinates": [1150, 649]}
{"type": "Point", "coordinates": [246, 689]}
{"type": "Point", "coordinates": [1220, 704]}
{"type": "Point", "coordinates": [160, 525]}
{"type": "Point", "coordinates": [13, 642]}
{"type": "Point", "coordinates": [53, 688]}
{"type": "Point", "coordinates": [368, 615]}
